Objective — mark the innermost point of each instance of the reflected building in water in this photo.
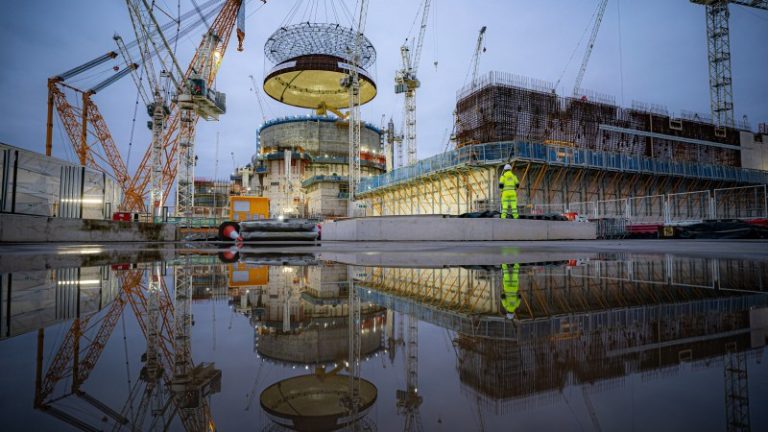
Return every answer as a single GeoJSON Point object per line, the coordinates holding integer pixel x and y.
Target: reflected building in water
{"type": "Point", "coordinates": [301, 317]}
{"type": "Point", "coordinates": [35, 299]}
{"type": "Point", "coordinates": [300, 313]}
{"type": "Point", "coordinates": [588, 322]}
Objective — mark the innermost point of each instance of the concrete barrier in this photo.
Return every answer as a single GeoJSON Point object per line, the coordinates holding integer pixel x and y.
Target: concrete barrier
{"type": "Point", "coordinates": [16, 228]}
{"type": "Point", "coordinates": [443, 228]}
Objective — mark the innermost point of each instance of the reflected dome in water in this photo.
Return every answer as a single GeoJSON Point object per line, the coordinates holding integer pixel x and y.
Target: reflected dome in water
{"type": "Point", "coordinates": [315, 402]}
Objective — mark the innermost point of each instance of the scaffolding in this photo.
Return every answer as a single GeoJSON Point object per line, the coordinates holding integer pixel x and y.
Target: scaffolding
{"type": "Point", "coordinates": [591, 322]}
{"type": "Point", "coordinates": [505, 107]}
{"type": "Point", "coordinates": [552, 179]}
{"type": "Point", "coordinates": [566, 150]}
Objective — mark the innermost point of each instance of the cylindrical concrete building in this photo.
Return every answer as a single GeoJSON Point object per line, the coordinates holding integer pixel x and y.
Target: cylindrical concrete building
{"type": "Point", "coordinates": [316, 148]}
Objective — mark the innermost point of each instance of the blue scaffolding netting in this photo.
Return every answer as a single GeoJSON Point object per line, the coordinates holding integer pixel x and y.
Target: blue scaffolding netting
{"type": "Point", "coordinates": [497, 153]}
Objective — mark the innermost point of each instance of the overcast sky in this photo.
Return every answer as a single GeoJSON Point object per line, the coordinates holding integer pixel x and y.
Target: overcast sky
{"type": "Point", "coordinates": [662, 55]}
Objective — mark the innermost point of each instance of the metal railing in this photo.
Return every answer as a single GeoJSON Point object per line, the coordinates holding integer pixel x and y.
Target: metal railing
{"type": "Point", "coordinates": [497, 153]}
{"type": "Point", "coordinates": [744, 202]}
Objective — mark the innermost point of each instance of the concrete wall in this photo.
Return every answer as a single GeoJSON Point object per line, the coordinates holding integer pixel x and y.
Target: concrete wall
{"type": "Point", "coordinates": [35, 299]}
{"type": "Point", "coordinates": [323, 199]}
{"type": "Point", "coordinates": [439, 228]}
{"type": "Point", "coordinates": [38, 229]}
{"type": "Point", "coordinates": [315, 136]}
{"type": "Point", "coordinates": [754, 153]}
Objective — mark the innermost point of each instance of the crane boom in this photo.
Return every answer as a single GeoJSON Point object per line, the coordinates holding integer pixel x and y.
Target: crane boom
{"type": "Point", "coordinates": [476, 56]}
{"type": "Point", "coordinates": [222, 27]}
{"type": "Point", "coordinates": [420, 40]}
{"type": "Point", "coordinates": [592, 37]}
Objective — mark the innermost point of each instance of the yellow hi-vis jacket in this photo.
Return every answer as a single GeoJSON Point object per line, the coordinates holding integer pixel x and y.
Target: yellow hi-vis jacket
{"type": "Point", "coordinates": [508, 182]}
{"type": "Point", "coordinates": [510, 296]}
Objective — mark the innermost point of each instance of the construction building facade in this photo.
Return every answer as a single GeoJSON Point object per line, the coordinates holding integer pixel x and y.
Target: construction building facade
{"type": "Point", "coordinates": [302, 162]}
{"type": "Point", "coordinates": [300, 313]}
{"type": "Point", "coordinates": [212, 198]}
{"type": "Point", "coordinates": [584, 154]}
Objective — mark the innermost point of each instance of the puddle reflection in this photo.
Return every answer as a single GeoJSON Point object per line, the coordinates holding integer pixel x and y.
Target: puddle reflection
{"type": "Point", "coordinates": [292, 342]}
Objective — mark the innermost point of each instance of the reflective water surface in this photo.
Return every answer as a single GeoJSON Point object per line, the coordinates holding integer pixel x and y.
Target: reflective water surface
{"type": "Point", "coordinates": [203, 340]}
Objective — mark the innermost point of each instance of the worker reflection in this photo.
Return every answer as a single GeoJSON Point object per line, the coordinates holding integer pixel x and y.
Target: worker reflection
{"type": "Point", "coordinates": [508, 184]}
{"type": "Point", "coordinates": [510, 296]}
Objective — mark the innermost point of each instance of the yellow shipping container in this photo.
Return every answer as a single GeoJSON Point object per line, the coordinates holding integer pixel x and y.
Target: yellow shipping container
{"type": "Point", "coordinates": [244, 208]}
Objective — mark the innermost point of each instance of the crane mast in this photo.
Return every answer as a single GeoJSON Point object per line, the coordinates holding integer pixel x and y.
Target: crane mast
{"type": "Point", "coordinates": [177, 142]}
{"type": "Point", "coordinates": [409, 400]}
{"type": "Point", "coordinates": [406, 82]}
{"type": "Point", "coordinates": [592, 37]}
{"type": "Point", "coordinates": [142, 21]}
{"type": "Point", "coordinates": [719, 57]}
{"type": "Point", "coordinates": [352, 82]}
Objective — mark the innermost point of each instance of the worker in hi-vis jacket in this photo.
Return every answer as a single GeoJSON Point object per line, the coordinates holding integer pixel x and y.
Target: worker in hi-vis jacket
{"type": "Point", "coordinates": [510, 295]}
{"type": "Point", "coordinates": [508, 184]}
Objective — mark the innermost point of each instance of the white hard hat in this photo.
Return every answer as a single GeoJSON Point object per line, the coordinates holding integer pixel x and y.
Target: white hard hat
{"type": "Point", "coordinates": [507, 167]}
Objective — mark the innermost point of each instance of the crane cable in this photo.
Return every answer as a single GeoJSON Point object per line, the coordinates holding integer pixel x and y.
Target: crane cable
{"type": "Point", "coordinates": [133, 122]}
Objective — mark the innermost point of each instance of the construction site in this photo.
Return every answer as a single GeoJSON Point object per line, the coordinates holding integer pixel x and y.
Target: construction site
{"type": "Point", "coordinates": [212, 227]}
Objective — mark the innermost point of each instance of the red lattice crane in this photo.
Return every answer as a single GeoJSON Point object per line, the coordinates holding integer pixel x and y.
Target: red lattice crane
{"type": "Point", "coordinates": [221, 28]}
{"type": "Point", "coordinates": [88, 132]}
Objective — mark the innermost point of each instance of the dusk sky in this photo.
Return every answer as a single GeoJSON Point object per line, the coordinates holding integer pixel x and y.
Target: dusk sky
{"type": "Point", "coordinates": [658, 46]}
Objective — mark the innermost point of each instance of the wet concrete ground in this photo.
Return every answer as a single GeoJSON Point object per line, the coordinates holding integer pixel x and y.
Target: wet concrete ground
{"type": "Point", "coordinates": [599, 335]}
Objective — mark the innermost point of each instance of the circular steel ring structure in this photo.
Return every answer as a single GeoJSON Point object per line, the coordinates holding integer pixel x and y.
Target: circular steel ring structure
{"type": "Point", "coordinates": [311, 62]}
{"type": "Point", "coordinates": [303, 39]}
{"type": "Point", "coordinates": [314, 403]}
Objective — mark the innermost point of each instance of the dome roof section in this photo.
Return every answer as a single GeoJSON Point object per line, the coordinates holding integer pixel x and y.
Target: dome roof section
{"type": "Point", "coordinates": [305, 39]}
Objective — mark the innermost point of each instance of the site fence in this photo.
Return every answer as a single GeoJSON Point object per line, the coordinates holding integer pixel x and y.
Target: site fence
{"type": "Point", "coordinates": [746, 202]}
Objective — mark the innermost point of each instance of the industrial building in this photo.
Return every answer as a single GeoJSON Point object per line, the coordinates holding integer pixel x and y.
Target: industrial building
{"type": "Point", "coordinates": [586, 323]}
{"type": "Point", "coordinates": [300, 313]}
{"type": "Point", "coordinates": [212, 198]}
{"type": "Point", "coordinates": [302, 164]}
{"type": "Point", "coordinates": [582, 153]}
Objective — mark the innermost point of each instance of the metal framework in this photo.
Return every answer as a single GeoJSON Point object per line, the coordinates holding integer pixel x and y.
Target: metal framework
{"type": "Point", "coordinates": [736, 390]}
{"type": "Point", "coordinates": [308, 38]}
{"type": "Point", "coordinates": [406, 82]}
{"type": "Point", "coordinates": [177, 140]}
{"type": "Point", "coordinates": [599, 313]}
{"type": "Point", "coordinates": [505, 107]}
{"type": "Point", "coordinates": [590, 44]}
{"type": "Point", "coordinates": [87, 130]}
{"type": "Point", "coordinates": [719, 56]}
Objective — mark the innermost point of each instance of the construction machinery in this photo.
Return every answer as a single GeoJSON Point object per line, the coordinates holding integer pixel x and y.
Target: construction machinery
{"type": "Point", "coordinates": [719, 57]}
{"type": "Point", "coordinates": [479, 49]}
{"type": "Point", "coordinates": [590, 44]}
{"type": "Point", "coordinates": [168, 377]}
{"type": "Point", "coordinates": [84, 125]}
{"type": "Point", "coordinates": [149, 38]}
{"type": "Point", "coordinates": [195, 98]}
{"type": "Point", "coordinates": [406, 82]}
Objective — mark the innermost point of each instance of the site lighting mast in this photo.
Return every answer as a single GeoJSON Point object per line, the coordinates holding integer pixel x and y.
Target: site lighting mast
{"type": "Point", "coordinates": [406, 82]}
{"type": "Point", "coordinates": [719, 56]}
